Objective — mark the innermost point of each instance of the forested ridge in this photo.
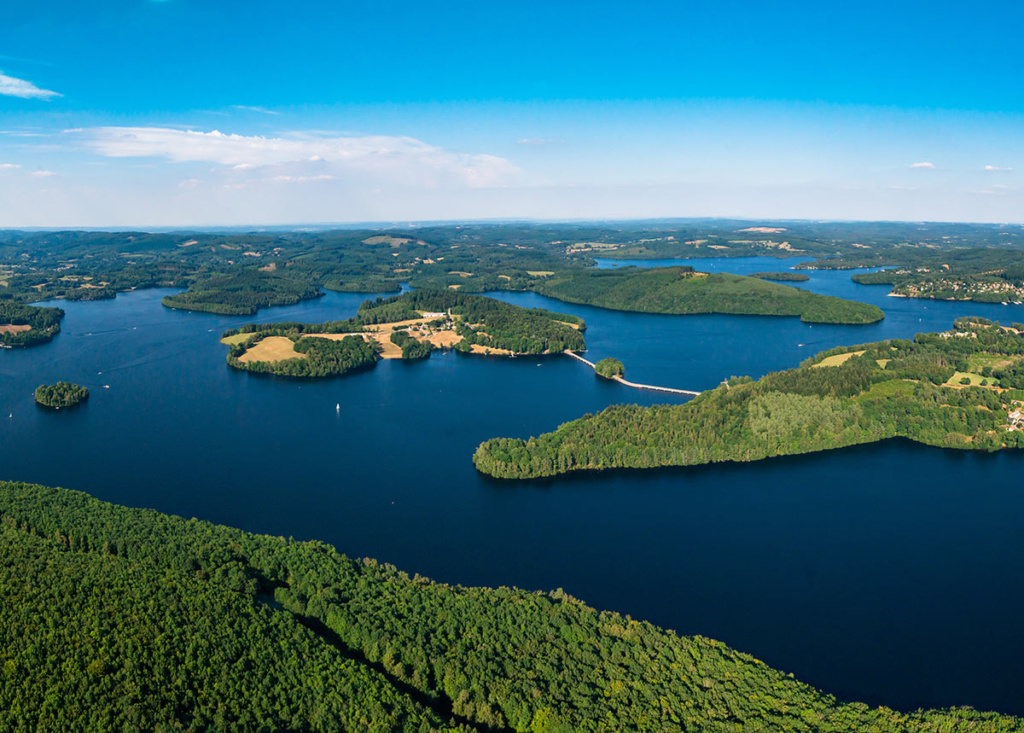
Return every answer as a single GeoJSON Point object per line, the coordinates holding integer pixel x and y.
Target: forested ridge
{"type": "Point", "coordinates": [681, 290]}
{"type": "Point", "coordinates": [128, 619]}
{"type": "Point", "coordinates": [872, 392]}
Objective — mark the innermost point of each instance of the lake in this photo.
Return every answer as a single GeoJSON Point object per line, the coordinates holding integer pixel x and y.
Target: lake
{"type": "Point", "coordinates": [891, 574]}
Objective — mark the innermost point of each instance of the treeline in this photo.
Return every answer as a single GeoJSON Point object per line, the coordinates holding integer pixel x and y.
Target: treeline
{"type": "Point", "coordinates": [43, 323]}
{"type": "Point", "coordinates": [242, 294]}
{"type": "Point", "coordinates": [61, 394]}
{"type": "Point", "coordinates": [793, 277]}
{"type": "Point", "coordinates": [894, 389]}
{"type": "Point", "coordinates": [120, 619]}
{"type": "Point", "coordinates": [320, 357]}
{"type": "Point", "coordinates": [680, 290]}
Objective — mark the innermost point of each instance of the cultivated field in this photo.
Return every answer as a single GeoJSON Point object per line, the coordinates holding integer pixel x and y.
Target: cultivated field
{"type": "Point", "coordinates": [9, 328]}
{"type": "Point", "coordinates": [837, 359]}
{"type": "Point", "coordinates": [272, 348]}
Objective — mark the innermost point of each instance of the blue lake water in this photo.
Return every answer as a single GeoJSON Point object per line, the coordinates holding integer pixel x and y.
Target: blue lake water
{"type": "Point", "coordinates": [892, 574]}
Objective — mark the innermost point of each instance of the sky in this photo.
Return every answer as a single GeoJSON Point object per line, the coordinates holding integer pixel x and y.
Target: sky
{"type": "Point", "coordinates": [157, 113]}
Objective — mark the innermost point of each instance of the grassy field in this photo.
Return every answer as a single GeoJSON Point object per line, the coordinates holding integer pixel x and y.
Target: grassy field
{"type": "Point", "coordinates": [837, 359]}
{"type": "Point", "coordinates": [8, 328]}
{"type": "Point", "coordinates": [236, 339]}
{"type": "Point", "coordinates": [272, 348]}
{"type": "Point", "coordinates": [954, 381]}
{"type": "Point", "coordinates": [978, 362]}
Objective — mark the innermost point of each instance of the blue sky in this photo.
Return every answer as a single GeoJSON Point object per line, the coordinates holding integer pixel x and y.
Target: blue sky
{"type": "Point", "coordinates": [182, 112]}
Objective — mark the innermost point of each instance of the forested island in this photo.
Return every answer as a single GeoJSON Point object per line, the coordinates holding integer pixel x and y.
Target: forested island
{"type": "Point", "coordinates": [118, 618]}
{"type": "Point", "coordinates": [61, 394]}
{"type": "Point", "coordinates": [407, 326]}
{"type": "Point", "coordinates": [682, 290]}
{"type": "Point", "coordinates": [27, 325]}
{"type": "Point", "coordinates": [609, 368]}
{"type": "Point", "coordinates": [911, 389]}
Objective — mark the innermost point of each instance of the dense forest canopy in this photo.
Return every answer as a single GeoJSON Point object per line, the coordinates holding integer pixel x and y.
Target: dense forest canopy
{"type": "Point", "coordinates": [128, 619]}
{"type": "Point", "coordinates": [61, 394]}
{"type": "Point", "coordinates": [609, 368]}
{"type": "Point", "coordinates": [846, 396]}
{"type": "Point", "coordinates": [782, 277]}
{"type": "Point", "coordinates": [680, 290]}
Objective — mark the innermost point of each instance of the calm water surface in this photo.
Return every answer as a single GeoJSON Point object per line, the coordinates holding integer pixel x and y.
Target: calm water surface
{"type": "Point", "coordinates": [892, 574]}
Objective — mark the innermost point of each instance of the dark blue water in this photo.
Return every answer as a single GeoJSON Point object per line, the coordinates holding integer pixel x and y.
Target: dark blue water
{"type": "Point", "coordinates": [891, 573]}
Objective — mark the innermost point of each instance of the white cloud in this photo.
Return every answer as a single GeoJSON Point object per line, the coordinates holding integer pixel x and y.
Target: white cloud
{"type": "Point", "coordinates": [997, 168]}
{"type": "Point", "coordinates": [261, 110]}
{"type": "Point", "coordinates": [8, 166]}
{"type": "Point", "coordinates": [929, 166]}
{"type": "Point", "coordinates": [401, 159]}
{"type": "Point", "coordinates": [43, 174]}
{"type": "Point", "coordinates": [13, 87]}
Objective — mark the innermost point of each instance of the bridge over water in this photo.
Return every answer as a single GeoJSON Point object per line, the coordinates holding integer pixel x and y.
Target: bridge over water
{"type": "Point", "coordinates": [620, 380]}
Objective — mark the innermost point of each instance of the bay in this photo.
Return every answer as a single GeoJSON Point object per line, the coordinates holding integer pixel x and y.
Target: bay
{"type": "Point", "coordinates": [890, 574]}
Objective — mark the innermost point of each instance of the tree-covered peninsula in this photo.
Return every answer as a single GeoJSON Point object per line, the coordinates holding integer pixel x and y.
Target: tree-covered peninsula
{"type": "Point", "coordinates": [128, 619]}
{"type": "Point", "coordinates": [61, 394]}
{"type": "Point", "coordinates": [27, 325]}
{"type": "Point", "coordinates": [846, 396]}
{"type": "Point", "coordinates": [681, 290]}
{"type": "Point", "coordinates": [407, 326]}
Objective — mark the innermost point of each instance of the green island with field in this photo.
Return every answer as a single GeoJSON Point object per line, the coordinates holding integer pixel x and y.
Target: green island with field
{"type": "Point", "coordinates": [61, 394]}
{"type": "Point", "coordinates": [408, 326]}
{"type": "Point", "coordinates": [27, 325]}
{"type": "Point", "coordinates": [911, 389]}
{"type": "Point", "coordinates": [682, 291]}
{"type": "Point", "coordinates": [128, 619]}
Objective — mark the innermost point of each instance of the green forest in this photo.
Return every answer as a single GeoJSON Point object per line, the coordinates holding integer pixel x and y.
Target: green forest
{"type": "Point", "coordinates": [782, 277]}
{"type": "Point", "coordinates": [242, 294]}
{"type": "Point", "coordinates": [27, 325]}
{"type": "Point", "coordinates": [61, 394]}
{"type": "Point", "coordinates": [609, 368]}
{"type": "Point", "coordinates": [842, 397]}
{"type": "Point", "coordinates": [120, 619]}
{"type": "Point", "coordinates": [681, 290]}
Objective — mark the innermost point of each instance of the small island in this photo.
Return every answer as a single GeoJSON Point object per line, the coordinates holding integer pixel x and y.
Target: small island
{"type": "Point", "coordinates": [610, 368]}
{"type": "Point", "coordinates": [61, 394]}
{"type": "Point", "coordinates": [962, 388]}
{"type": "Point", "coordinates": [681, 290]}
{"type": "Point", "coordinates": [408, 326]}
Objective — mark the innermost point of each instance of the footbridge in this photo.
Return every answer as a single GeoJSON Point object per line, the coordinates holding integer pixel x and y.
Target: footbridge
{"type": "Point", "coordinates": [635, 385]}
